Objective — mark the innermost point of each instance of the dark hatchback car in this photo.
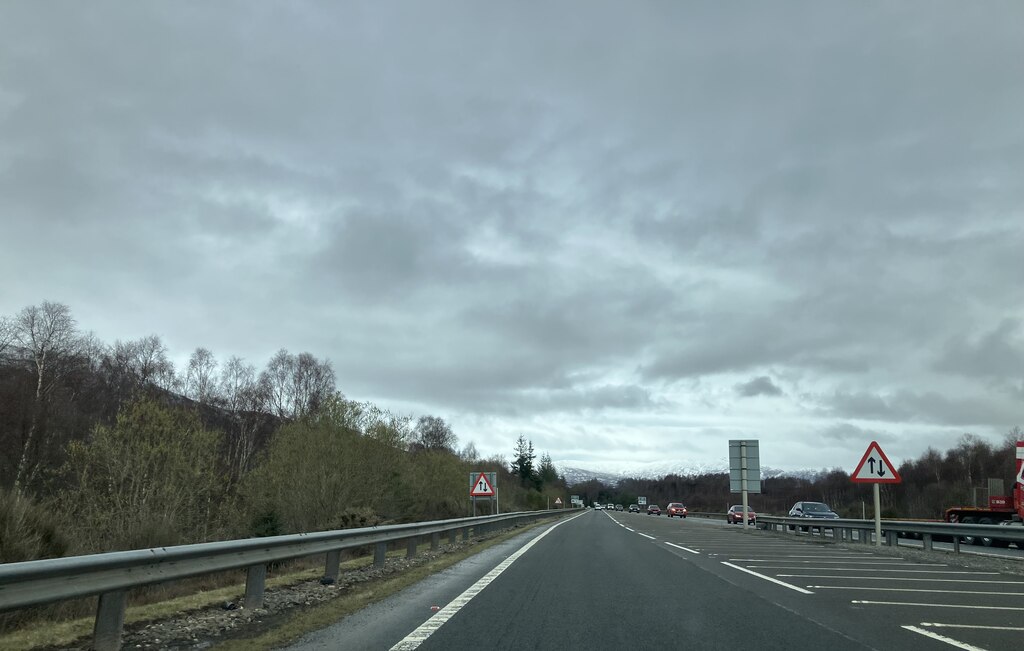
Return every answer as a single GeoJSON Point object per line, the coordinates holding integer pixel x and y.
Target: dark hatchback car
{"type": "Point", "coordinates": [634, 508]}
{"type": "Point", "coordinates": [653, 509]}
{"type": "Point", "coordinates": [812, 511]}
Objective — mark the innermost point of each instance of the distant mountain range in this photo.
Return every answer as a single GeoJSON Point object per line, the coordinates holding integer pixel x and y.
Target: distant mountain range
{"type": "Point", "coordinates": [612, 473]}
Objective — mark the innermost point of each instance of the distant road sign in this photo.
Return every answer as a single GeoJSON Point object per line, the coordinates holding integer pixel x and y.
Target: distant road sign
{"type": "Point", "coordinates": [482, 487]}
{"type": "Point", "coordinates": [875, 468]}
{"type": "Point", "coordinates": [641, 501]}
{"type": "Point", "coordinates": [558, 501]}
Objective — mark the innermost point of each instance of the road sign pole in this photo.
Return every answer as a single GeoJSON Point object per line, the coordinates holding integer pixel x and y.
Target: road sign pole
{"type": "Point", "coordinates": [878, 517]}
{"type": "Point", "coordinates": [743, 479]}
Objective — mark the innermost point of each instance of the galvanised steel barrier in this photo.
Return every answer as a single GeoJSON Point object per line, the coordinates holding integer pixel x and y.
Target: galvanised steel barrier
{"type": "Point", "coordinates": [848, 530]}
{"type": "Point", "coordinates": [111, 575]}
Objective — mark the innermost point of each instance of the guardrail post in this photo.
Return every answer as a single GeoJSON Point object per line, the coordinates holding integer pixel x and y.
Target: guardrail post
{"type": "Point", "coordinates": [892, 538]}
{"type": "Point", "coordinates": [465, 534]}
{"type": "Point", "coordinates": [333, 561]}
{"type": "Point", "coordinates": [452, 535]}
{"type": "Point", "coordinates": [106, 634]}
{"type": "Point", "coordinates": [380, 553]}
{"type": "Point", "coordinates": [255, 578]}
{"type": "Point", "coordinates": [956, 544]}
{"type": "Point", "coordinates": [435, 541]}
{"type": "Point", "coordinates": [927, 541]}
{"type": "Point", "coordinates": [410, 549]}
{"type": "Point", "coordinates": [866, 536]}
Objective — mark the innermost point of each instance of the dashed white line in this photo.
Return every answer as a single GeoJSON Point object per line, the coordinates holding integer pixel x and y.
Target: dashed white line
{"type": "Point", "coordinates": [978, 626]}
{"type": "Point", "coordinates": [768, 578]}
{"type": "Point", "coordinates": [862, 569]}
{"type": "Point", "coordinates": [894, 578]}
{"type": "Point", "coordinates": [646, 536]}
{"type": "Point", "coordinates": [861, 587]}
{"type": "Point", "coordinates": [685, 549]}
{"type": "Point", "coordinates": [628, 529]}
{"type": "Point", "coordinates": [942, 638]}
{"type": "Point", "coordinates": [909, 603]}
{"type": "Point", "coordinates": [427, 628]}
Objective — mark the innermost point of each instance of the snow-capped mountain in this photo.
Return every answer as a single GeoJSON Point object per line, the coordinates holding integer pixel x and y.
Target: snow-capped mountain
{"type": "Point", "coordinates": [612, 473]}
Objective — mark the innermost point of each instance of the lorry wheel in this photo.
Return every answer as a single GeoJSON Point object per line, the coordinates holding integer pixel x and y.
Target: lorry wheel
{"type": "Point", "coordinates": [985, 540]}
{"type": "Point", "coordinates": [969, 540]}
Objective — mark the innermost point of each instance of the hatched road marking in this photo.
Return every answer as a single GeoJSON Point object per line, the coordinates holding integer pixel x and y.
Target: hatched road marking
{"type": "Point", "coordinates": [685, 549]}
{"type": "Point", "coordinates": [768, 578]}
{"type": "Point", "coordinates": [942, 638]}
{"type": "Point", "coordinates": [909, 603]}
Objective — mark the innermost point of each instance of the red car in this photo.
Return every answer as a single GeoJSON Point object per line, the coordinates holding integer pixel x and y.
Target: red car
{"type": "Point", "coordinates": [735, 515]}
{"type": "Point", "coordinates": [653, 509]}
{"type": "Point", "coordinates": [676, 508]}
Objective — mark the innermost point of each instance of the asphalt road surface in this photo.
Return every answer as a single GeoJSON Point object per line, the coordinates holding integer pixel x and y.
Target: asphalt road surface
{"type": "Point", "coordinates": [604, 580]}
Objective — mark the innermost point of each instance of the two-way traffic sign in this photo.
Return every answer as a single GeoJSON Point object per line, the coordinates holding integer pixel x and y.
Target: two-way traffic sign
{"type": "Point", "coordinates": [875, 468]}
{"type": "Point", "coordinates": [482, 487]}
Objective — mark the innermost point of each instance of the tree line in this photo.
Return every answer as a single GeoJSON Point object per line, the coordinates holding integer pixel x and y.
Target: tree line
{"type": "Point", "coordinates": [930, 484]}
{"type": "Point", "coordinates": [110, 446]}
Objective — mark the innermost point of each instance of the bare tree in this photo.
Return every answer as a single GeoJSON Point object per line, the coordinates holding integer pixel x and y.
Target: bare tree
{"type": "Point", "coordinates": [46, 337]}
{"type": "Point", "coordinates": [200, 378]}
{"type": "Point", "coordinates": [151, 362]}
{"type": "Point", "coordinates": [277, 382]}
{"type": "Point", "coordinates": [246, 400]}
{"type": "Point", "coordinates": [6, 335]}
{"type": "Point", "coordinates": [434, 433]}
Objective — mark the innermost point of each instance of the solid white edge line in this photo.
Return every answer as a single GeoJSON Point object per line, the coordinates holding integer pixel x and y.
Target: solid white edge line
{"type": "Point", "coordinates": [768, 578]}
{"type": "Point", "coordinates": [438, 619]}
{"type": "Point", "coordinates": [628, 529]}
{"type": "Point", "coordinates": [942, 638]}
{"type": "Point", "coordinates": [911, 603]}
{"type": "Point", "coordinates": [646, 536]}
{"type": "Point", "coordinates": [977, 626]}
{"type": "Point", "coordinates": [685, 549]}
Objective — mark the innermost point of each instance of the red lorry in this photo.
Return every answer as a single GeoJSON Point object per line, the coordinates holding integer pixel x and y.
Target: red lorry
{"type": "Point", "coordinates": [1002, 509]}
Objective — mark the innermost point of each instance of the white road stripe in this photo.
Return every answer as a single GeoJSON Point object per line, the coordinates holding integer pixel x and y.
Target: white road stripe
{"type": "Point", "coordinates": [864, 569]}
{"type": "Point", "coordinates": [942, 638]}
{"type": "Point", "coordinates": [910, 603]}
{"type": "Point", "coordinates": [977, 626]}
{"type": "Point", "coordinates": [768, 578]}
{"type": "Point", "coordinates": [861, 587]}
{"type": "Point", "coordinates": [894, 578]}
{"type": "Point", "coordinates": [646, 536]}
{"type": "Point", "coordinates": [685, 549]}
{"type": "Point", "coordinates": [438, 619]}
{"type": "Point", "coordinates": [628, 529]}
{"type": "Point", "coordinates": [769, 560]}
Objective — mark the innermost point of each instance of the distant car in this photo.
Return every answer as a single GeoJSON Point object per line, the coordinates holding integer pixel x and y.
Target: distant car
{"type": "Point", "coordinates": [677, 509]}
{"type": "Point", "coordinates": [812, 511]}
{"type": "Point", "coordinates": [735, 515]}
{"type": "Point", "coordinates": [618, 507]}
{"type": "Point", "coordinates": [653, 509]}
{"type": "Point", "coordinates": [634, 508]}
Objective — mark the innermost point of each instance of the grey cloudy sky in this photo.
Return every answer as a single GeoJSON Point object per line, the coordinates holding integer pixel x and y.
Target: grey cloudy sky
{"type": "Point", "coordinates": [630, 231]}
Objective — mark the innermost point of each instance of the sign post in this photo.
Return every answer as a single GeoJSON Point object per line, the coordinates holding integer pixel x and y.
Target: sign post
{"type": "Point", "coordinates": [484, 484]}
{"type": "Point", "coordinates": [744, 472]}
{"type": "Point", "coordinates": [875, 468]}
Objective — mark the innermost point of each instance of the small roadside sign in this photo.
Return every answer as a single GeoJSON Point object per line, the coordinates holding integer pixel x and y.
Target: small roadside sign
{"type": "Point", "coordinates": [558, 501]}
{"type": "Point", "coordinates": [641, 501]}
{"type": "Point", "coordinates": [875, 468]}
{"type": "Point", "coordinates": [482, 487]}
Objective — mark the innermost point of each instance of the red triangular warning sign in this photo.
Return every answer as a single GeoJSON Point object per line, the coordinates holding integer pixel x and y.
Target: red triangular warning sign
{"type": "Point", "coordinates": [875, 468]}
{"type": "Point", "coordinates": [482, 487]}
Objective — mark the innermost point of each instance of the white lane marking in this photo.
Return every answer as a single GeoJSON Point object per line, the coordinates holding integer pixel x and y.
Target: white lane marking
{"type": "Point", "coordinates": [685, 549]}
{"type": "Point", "coordinates": [438, 619]}
{"type": "Point", "coordinates": [942, 638]}
{"type": "Point", "coordinates": [977, 626]}
{"type": "Point", "coordinates": [768, 578]}
{"type": "Point", "coordinates": [769, 560]}
{"type": "Point", "coordinates": [910, 603]}
{"type": "Point", "coordinates": [646, 536]}
{"type": "Point", "coordinates": [862, 587]}
{"type": "Point", "coordinates": [862, 569]}
{"type": "Point", "coordinates": [628, 529]}
{"type": "Point", "coordinates": [894, 578]}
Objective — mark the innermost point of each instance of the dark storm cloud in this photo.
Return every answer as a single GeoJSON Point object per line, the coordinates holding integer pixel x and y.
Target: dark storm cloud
{"type": "Point", "coordinates": [758, 386]}
{"type": "Point", "coordinates": [498, 210]}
